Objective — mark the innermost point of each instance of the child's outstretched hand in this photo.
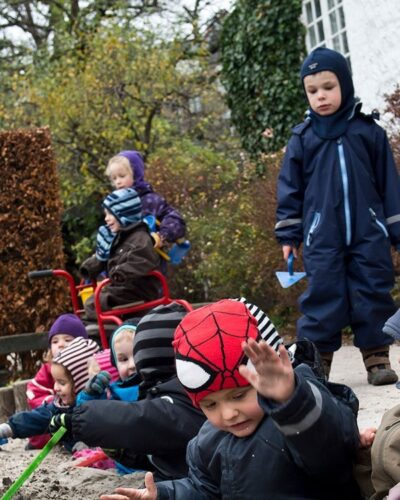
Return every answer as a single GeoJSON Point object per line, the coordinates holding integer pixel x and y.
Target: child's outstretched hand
{"type": "Point", "coordinates": [367, 437]}
{"type": "Point", "coordinates": [273, 377]}
{"type": "Point", "coordinates": [147, 493]}
{"type": "Point", "coordinates": [98, 384]}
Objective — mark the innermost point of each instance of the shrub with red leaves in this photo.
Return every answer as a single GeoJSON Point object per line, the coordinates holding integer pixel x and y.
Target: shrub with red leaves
{"type": "Point", "coordinates": [30, 221]}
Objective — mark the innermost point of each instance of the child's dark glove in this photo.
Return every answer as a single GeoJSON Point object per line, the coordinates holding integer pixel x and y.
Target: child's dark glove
{"type": "Point", "coordinates": [98, 384]}
{"type": "Point", "coordinates": [392, 326]}
{"type": "Point", "coordinates": [60, 420]}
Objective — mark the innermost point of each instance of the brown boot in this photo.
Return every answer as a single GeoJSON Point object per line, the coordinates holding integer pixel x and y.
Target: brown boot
{"type": "Point", "coordinates": [377, 363]}
{"type": "Point", "coordinates": [327, 358]}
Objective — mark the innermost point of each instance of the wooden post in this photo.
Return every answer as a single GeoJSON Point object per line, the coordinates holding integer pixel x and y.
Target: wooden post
{"type": "Point", "coordinates": [19, 390]}
{"type": "Point", "coordinates": [7, 404]}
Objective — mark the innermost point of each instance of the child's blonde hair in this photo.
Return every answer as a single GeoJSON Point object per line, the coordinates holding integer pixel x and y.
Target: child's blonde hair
{"type": "Point", "coordinates": [124, 332]}
{"type": "Point", "coordinates": [121, 161]}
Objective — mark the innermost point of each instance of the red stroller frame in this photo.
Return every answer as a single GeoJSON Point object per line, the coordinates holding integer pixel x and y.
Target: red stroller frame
{"type": "Point", "coordinates": [113, 315]}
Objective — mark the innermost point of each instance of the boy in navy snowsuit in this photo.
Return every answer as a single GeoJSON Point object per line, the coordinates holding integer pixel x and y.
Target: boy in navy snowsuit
{"type": "Point", "coordinates": [339, 195]}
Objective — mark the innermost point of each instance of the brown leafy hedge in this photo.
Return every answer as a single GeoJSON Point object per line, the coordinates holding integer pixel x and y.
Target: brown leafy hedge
{"type": "Point", "coordinates": [30, 222]}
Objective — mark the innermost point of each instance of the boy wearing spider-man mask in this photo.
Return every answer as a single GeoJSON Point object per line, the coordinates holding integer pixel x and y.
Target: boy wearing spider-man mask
{"type": "Point", "coordinates": [273, 432]}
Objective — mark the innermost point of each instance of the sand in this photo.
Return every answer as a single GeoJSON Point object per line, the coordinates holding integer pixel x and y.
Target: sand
{"type": "Point", "coordinates": [348, 368]}
{"type": "Point", "coordinates": [57, 478]}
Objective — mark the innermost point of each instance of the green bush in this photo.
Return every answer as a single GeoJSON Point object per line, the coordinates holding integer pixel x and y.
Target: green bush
{"type": "Point", "coordinates": [230, 213]}
{"type": "Point", "coordinates": [262, 47]}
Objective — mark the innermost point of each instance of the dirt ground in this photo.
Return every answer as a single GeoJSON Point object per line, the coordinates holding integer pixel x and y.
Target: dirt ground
{"type": "Point", "coordinates": [57, 478]}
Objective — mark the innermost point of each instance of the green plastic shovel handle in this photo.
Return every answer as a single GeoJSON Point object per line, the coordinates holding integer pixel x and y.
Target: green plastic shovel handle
{"type": "Point", "coordinates": [34, 464]}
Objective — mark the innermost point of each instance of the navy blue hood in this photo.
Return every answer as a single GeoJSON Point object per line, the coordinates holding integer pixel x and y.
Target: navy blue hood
{"type": "Point", "coordinates": [322, 59]}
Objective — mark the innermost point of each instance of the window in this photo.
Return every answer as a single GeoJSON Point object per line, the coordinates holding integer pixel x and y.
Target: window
{"type": "Point", "coordinates": [326, 27]}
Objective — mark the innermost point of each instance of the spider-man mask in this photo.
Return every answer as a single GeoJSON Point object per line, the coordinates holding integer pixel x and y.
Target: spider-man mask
{"type": "Point", "coordinates": [208, 348]}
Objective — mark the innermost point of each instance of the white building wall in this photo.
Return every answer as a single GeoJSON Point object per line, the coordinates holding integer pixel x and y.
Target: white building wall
{"type": "Point", "coordinates": [373, 32]}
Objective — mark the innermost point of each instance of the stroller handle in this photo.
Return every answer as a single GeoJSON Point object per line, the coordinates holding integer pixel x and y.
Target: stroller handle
{"type": "Point", "coordinates": [43, 273]}
{"type": "Point", "coordinates": [48, 273]}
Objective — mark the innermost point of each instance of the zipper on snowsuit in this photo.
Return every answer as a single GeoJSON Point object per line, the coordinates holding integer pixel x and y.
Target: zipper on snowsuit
{"type": "Point", "coordinates": [313, 227]}
{"type": "Point", "coordinates": [378, 222]}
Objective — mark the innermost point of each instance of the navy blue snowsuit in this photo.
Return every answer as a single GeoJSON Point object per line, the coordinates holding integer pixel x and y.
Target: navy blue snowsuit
{"type": "Point", "coordinates": [341, 199]}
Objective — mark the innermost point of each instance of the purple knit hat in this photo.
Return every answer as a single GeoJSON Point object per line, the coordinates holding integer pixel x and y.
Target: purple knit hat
{"type": "Point", "coordinates": [75, 359]}
{"type": "Point", "coordinates": [68, 324]}
{"type": "Point", "coordinates": [137, 164]}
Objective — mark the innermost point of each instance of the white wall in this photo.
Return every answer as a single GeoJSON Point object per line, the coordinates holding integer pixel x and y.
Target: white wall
{"type": "Point", "coordinates": [373, 31]}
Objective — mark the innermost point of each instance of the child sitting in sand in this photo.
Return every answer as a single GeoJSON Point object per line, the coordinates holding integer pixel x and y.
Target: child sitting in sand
{"type": "Point", "coordinates": [40, 389]}
{"type": "Point", "coordinates": [69, 371]}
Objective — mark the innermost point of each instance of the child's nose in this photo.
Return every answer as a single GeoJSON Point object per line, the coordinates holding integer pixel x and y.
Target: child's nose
{"type": "Point", "coordinates": [229, 412]}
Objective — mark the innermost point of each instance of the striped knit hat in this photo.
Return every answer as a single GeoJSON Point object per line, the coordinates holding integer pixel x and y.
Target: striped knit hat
{"type": "Point", "coordinates": [75, 359]}
{"type": "Point", "coordinates": [208, 345]}
{"type": "Point", "coordinates": [265, 326]}
{"type": "Point", "coordinates": [124, 205]}
{"type": "Point", "coordinates": [152, 349]}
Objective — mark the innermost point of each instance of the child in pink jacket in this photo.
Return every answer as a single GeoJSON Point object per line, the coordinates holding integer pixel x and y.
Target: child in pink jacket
{"type": "Point", "coordinates": [64, 330]}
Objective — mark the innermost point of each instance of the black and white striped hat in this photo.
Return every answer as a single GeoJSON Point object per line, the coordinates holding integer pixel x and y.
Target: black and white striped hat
{"type": "Point", "coordinates": [265, 326]}
{"type": "Point", "coordinates": [75, 359]}
{"type": "Point", "coordinates": [152, 347]}
{"type": "Point", "coordinates": [124, 205]}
